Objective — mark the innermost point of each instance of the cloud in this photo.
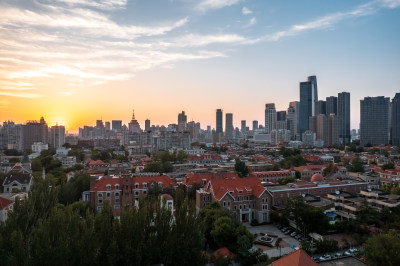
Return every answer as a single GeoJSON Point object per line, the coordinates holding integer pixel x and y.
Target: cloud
{"type": "Point", "coordinates": [215, 4]}
{"type": "Point", "coordinates": [246, 11]}
{"type": "Point", "coordinates": [194, 40]}
{"type": "Point", "coordinates": [328, 21]}
{"type": "Point", "coordinates": [107, 5]}
{"type": "Point", "coordinates": [252, 22]}
{"type": "Point", "coordinates": [16, 94]}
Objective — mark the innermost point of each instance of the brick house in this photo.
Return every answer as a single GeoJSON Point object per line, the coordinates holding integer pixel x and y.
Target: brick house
{"type": "Point", "coordinates": [273, 176]}
{"type": "Point", "coordinates": [123, 190]}
{"type": "Point", "coordinates": [244, 196]}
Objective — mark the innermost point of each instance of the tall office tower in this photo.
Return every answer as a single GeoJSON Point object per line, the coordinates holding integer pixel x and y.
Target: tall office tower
{"type": "Point", "coordinates": [395, 120]}
{"type": "Point", "coordinates": [228, 125]}
{"type": "Point", "coordinates": [147, 124]}
{"type": "Point", "coordinates": [308, 102]}
{"type": "Point", "coordinates": [107, 125]}
{"type": "Point", "coordinates": [99, 124]}
{"type": "Point", "coordinates": [116, 125]}
{"type": "Point", "coordinates": [331, 105]}
{"type": "Point", "coordinates": [134, 126]}
{"type": "Point", "coordinates": [322, 128]}
{"type": "Point", "coordinates": [281, 120]}
{"type": "Point", "coordinates": [321, 108]}
{"type": "Point", "coordinates": [343, 117]}
{"type": "Point", "coordinates": [255, 125]}
{"type": "Point", "coordinates": [270, 117]}
{"type": "Point", "coordinates": [374, 120]}
{"type": "Point", "coordinates": [293, 113]}
{"type": "Point", "coordinates": [34, 131]}
{"type": "Point", "coordinates": [218, 128]}
{"type": "Point", "coordinates": [182, 120]}
{"type": "Point", "coordinates": [57, 136]}
{"type": "Point", "coordinates": [332, 130]}
{"type": "Point", "coordinates": [312, 123]}
{"type": "Point", "coordinates": [243, 126]}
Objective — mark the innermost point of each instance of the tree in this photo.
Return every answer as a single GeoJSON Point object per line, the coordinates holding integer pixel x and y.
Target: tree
{"type": "Point", "coordinates": [153, 167]}
{"type": "Point", "coordinates": [330, 169]}
{"type": "Point", "coordinates": [357, 165]}
{"type": "Point", "coordinates": [240, 168]}
{"type": "Point", "coordinates": [193, 189]}
{"type": "Point", "coordinates": [367, 214]}
{"type": "Point", "coordinates": [387, 166]}
{"type": "Point", "coordinates": [14, 160]}
{"type": "Point", "coordinates": [286, 180]}
{"type": "Point", "coordinates": [326, 245]}
{"type": "Point", "coordinates": [382, 249]}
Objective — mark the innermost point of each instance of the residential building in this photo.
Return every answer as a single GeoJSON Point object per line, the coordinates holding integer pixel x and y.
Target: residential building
{"type": "Point", "coordinates": [182, 120]}
{"type": "Point", "coordinates": [39, 147]}
{"type": "Point", "coordinates": [147, 125]}
{"type": "Point", "coordinates": [229, 126]}
{"type": "Point", "coordinates": [11, 136]}
{"type": "Point", "coordinates": [331, 105]}
{"type": "Point", "coordinates": [332, 130]}
{"type": "Point", "coordinates": [243, 127]}
{"type": "Point", "coordinates": [116, 125]}
{"type": "Point", "coordinates": [343, 117]}
{"type": "Point", "coordinates": [281, 122]}
{"type": "Point", "coordinates": [33, 132]}
{"type": "Point", "coordinates": [57, 136]}
{"type": "Point", "coordinates": [374, 120]}
{"type": "Point", "coordinates": [270, 117]}
{"type": "Point", "coordinates": [322, 132]}
{"type": "Point", "coordinates": [246, 197]}
{"type": "Point", "coordinates": [18, 178]}
{"type": "Point", "coordinates": [255, 125]}
{"type": "Point", "coordinates": [292, 118]}
{"type": "Point", "coordinates": [395, 120]}
{"type": "Point", "coordinates": [6, 205]}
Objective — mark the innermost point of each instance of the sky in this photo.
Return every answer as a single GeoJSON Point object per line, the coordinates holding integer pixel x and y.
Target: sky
{"type": "Point", "coordinates": [76, 61]}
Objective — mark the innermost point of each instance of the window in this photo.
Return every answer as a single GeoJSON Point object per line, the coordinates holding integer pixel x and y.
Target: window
{"type": "Point", "coordinates": [235, 207]}
{"type": "Point", "coordinates": [136, 185]}
{"type": "Point", "coordinates": [108, 195]}
{"type": "Point", "coordinates": [99, 208]}
{"type": "Point", "coordinates": [229, 203]}
{"type": "Point", "coordinates": [144, 185]}
{"type": "Point", "coordinates": [116, 207]}
{"type": "Point", "coordinates": [224, 203]}
{"type": "Point", "coordinates": [108, 187]}
{"type": "Point", "coordinates": [136, 193]}
{"type": "Point", "coordinates": [117, 187]}
{"type": "Point", "coordinates": [100, 198]}
{"type": "Point", "coordinates": [265, 207]}
{"type": "Point", "coordinates": [160, 184]}
{"type": "Point", "coordinates": [117, 195]}
{"type": "Point", "coordinates": [144, 192]}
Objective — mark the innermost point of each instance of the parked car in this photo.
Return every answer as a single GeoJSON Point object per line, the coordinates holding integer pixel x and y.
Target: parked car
{"type": "Point", "coordinates": [298, 237]}
{"type": "Point", "coordinates": [338, 254]}
{"type": "Point", "coordinates": [287, 232]}
{"type": "Point", "coordinates": [327, 257]}
{"type": "Point", "coordinates": [315, 258]}
{"type": "Point", "coordinates": [348, 253]}
{"type": "Point", "coordinates": [293, 234]}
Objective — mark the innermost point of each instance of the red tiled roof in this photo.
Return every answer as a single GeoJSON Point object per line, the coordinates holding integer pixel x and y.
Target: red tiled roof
{"type": "Point", "coordinates": [297, 258]}
{"type": "Point", "coordinates": [5, 203]}
{"type": "Point", "coordinates": [309, 167]}
{"type": "Point", "coordinates": [224, 252]}
{"type": "Point", "coordinates": [312, 158]}
{"type": "Point", "coordinates": [101, 184]}
{"type": "Point", "coordinates": [272, 173]}
{"type": "Point", "coordinates": [214, 157]}
{"type": "Point", "coordinates": [247, 186]}
{"type": "Point", "coordinates": [198, 178]}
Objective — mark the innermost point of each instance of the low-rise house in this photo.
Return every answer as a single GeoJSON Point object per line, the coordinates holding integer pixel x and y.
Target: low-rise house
{"type": "Point", "coordinates": [6, 205]}
{"type": "Point", "coordinates": [273, 176]}
{"type": "Point", "coordinates": [244, 196]}
{"type": "Point", "coordinates": [206, 159]}
{"type": "Point", "coordinates": [17, 179]}
{"type": "Point", "coordinates": [66, 161]}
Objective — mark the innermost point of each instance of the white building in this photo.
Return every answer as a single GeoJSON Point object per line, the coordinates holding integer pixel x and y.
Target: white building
{"type": "Point", "coordinates": [38, 147]}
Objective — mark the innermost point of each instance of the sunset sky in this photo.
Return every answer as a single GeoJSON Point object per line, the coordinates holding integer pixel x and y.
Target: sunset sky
{"type": "Point", "coordinates": [76, 61]}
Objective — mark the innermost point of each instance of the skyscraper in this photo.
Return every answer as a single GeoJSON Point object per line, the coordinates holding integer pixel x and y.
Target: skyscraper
{"type": "Point", "coordinates": [331, 105]}
{"type": "Point", "coordinates": [116, 125]}
{"type": "Point", "coordinates": [243, 126]}
{"type": "Point", "coordinates": [281, 120]}
{"type": "Point", "coordinates": [134, 126]}
{"type": "Point", "coordinates": [228, 125]}
{"type": "Point", "coordinates": [395, 120]}
{"type": "Point", "coordinates": [147, 125]}
{"type": "Point", "coordinates": [343, 117]}
{"type": "Point", "coordinates": [270, 117]}
{"type": "Point", "coordinates": [322, 132]}
{"type": "Point", "coordinates": [321, 108]}
{"type": "Point", "coordinates": [308, 102]}
{"type": "Point", "coordinates": [374, 120]}
{"type": "Point", "coordinates": [332, 130]}
{"type": "Point", "coordinates": [218, 128]}
{"type": "Point", "coordinates": [292, 118]}
{"type": "Point", "coordinates": [57, 136]}
{"type": "Point", "coordinates": [34, 131]}
{"type": "Point", "coordinates": [182, 120]}
{"type": "Point", "coordinates": [255, 125]}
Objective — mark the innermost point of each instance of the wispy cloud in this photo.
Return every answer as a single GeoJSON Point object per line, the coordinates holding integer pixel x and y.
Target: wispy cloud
{"type": "Point", "coordinates": [215, 4]}
{"type": "Point", "coordinates": [330, 20]}
{"type": "Point", "coordinates": [107, 5]}
{"type": "Point", "coordinates": [251, 22]}
{"type": "Point", "coordinates": [246, 11]}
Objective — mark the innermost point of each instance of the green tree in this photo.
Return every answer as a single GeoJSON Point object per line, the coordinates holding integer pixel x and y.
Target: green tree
{"type": "Point", "coordinates": [382, 249]}
{"type": "Point", "coordinates": [325, 245]}
{"type": "Point", "coordinates": [240, 168]}
{"type": "Point", "coordinates": [387, 166]}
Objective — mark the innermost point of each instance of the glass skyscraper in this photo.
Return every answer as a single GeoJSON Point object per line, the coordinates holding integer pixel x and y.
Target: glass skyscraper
{"type": "Point", "coordinates": [395, 120]}
{"type": "Point", "coordinates": [343, 117]}
{"type": "Point", "coordinates": [218, 127]}
{"type": "Point", "coordinates": [308, 102]}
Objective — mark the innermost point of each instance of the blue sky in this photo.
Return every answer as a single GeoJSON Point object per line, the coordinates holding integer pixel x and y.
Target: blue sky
{"type": "Point", "coordinates": [78, 60]}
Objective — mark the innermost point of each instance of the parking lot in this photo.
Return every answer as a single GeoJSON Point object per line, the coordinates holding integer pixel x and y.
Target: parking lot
{"type": "Point", "coordinates": [287, 244]}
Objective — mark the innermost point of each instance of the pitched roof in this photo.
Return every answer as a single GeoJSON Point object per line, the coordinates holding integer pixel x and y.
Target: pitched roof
{"type": "Point", "coordinates": [198, 178]}
{"type": "Point", "coordinates": [237, 187]}
{"type": "Point", "coordinates": [310, 167]}
{"type": "Point", "coordinates": [5, 202]}
{"type": "Point", "coordinates": [205, 157]}
{"type": "Point", "coordinates": [20, 177]}
{"type": "Point", "coordinates": [101, 184]}
{"type": "Point", "coordinates": [297, 258]}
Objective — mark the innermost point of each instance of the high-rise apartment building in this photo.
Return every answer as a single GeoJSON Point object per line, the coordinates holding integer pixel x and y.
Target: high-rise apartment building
{"type": "Point", "coordinates": [243, 127]}
{"type": "Point", "coordinates": [281, 122]}
{"type": "Point", "coordinates": [308, 102]}
{"type": "Point", "coordinates": [218, 128]}
{"type": "Point", "coordinates": [116, 125]}
{"type": "Point", "coordinates": [292, 118]}
{"type": "Point", "coordinates": [147, 125]}
{"type": "Point", "coordinates": [374, 120]}
{"type": "Point", "coordinates": [332, 130]}
{"type": "Point", "coordinates": [322, 132]}
{"type": "Point", "coordinates": [395, 120]}
{"type": "Point", "coordinates": [34, 131]}
{"type": "Point", "coordinates": [182, 120]}
{"type": "Point", "coordinates": [343, 117]}
{"type": "Point", "coordinates": [229, 125]}
{"type": "Point", "coordinates": [57, 136]}
{"type": "Point", "coordinates": [255, 125]}
{"type": "Point", "coordinates": [107, 125]}
{"type": "Point", "coordinates": [270, 117]}
{"type": "Point", "coordinates": [321, 108]}
{"type": "Point", "coordinates": [11, 136]}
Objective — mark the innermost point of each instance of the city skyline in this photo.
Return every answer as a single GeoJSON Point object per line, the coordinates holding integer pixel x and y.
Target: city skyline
{"type": "Point", "coordinates": [75, 62]}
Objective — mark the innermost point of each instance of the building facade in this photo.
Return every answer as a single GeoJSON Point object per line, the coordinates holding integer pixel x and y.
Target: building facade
{"type": "Point", "coordinates": [343, 117]}
{"type": "Point", "coordinates": [308, 102]}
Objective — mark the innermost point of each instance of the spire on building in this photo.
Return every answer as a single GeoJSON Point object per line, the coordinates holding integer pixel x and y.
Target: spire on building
{"type": "Point", "coordinates": [133, 114]}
